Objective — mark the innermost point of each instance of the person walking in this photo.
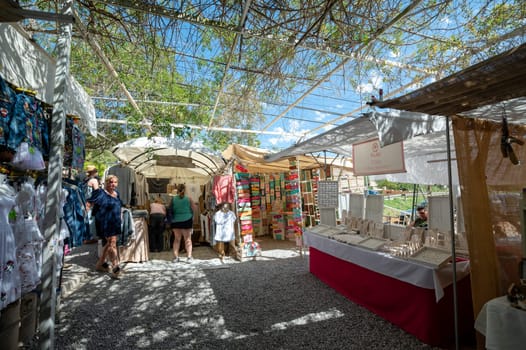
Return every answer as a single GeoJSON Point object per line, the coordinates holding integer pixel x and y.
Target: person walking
{"type": "Point", "coordinates": [106, 208]}
{"type": "Point", "coordinates": [182, 222]}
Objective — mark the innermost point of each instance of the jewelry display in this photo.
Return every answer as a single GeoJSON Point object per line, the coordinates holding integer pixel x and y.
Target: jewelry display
{"type": "Point", "coordinates": [431, 256]}
{"type": "Point", "coordinates": [349, 238]}
{"type": "Point", "coordinates": [372, 243]}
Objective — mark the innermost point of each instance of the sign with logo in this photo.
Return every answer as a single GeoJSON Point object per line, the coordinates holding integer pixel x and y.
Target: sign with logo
{"type": "Point", "coordinates": [371, 159]}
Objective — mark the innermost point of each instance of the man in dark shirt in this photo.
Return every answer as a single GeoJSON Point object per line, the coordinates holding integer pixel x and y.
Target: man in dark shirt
{"type": "Point", "coordinates": [421, 220]}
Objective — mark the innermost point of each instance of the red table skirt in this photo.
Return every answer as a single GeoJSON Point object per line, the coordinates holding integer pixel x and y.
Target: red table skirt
{"type": "Point", "coordinates": [412, 308]}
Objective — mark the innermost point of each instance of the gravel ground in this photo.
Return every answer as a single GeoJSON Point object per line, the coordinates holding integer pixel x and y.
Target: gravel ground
{"type": "Point", "coordinates": [272, 302]}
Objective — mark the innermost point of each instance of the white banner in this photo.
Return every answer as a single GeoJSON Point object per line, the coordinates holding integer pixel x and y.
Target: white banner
{"type": "Point", "coordinates": [370, 159]}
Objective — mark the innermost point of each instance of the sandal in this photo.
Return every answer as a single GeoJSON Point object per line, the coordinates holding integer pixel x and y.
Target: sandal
{"type": "Point", "coordinates": [116, 274]}
{"type": "Point", "coordinates": [103, 267]}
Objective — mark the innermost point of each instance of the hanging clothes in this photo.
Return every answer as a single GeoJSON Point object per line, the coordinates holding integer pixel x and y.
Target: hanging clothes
{"type": "Point", "coordinates": [75, 213]}
{"type": "Point", "coordinates": [141, 190]}
{"type": "Point", "coordinates": [126, 184]}
{"type": "Point", "coordinates": [223, 189]}
{"type": "Point", "coordinates": [28, 238]}
{"type": "Point", "coordinates": [127, 228]}
{"type": "Point", "coordinates": [79, 155]}
{"type": "Point", "coordinates": [224, 220]}
{"type": "Point", "coordinates": [10, 290]}
{"type": "Point", "coordinates": [7, 102]}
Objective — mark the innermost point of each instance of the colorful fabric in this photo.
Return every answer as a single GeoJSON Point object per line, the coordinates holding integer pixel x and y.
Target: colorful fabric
{"type": "Point", "coordinates": [223, 188]}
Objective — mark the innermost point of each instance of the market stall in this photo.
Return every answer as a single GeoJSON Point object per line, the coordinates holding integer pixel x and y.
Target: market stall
{"type": "Point", "coordinates": [279, 198]}
{"type": "Point", "coordinates": [163, 163]}
{"type": "Point", "coordinates": [486, 103]}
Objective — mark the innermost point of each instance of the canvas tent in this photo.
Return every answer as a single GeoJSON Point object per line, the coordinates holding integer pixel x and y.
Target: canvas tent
{"type": "Point", "coordinates": [160, 157]}
{"type": "Point", "coordinates": [254, 160]}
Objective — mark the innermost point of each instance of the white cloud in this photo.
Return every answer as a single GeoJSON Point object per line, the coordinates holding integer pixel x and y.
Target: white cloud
{"type": "Point", "coordinates": [320, 115]}
{"type": "Point", "coordinates": [374, 83]}
{"type": "Point", "coordinates": [286, 139]}
{"type": "Point", "coordinates": [365, 88]}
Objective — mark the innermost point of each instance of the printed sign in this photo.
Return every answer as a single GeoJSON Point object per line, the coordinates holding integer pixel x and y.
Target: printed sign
{"type": "Point", "coordinates": [371, 159]}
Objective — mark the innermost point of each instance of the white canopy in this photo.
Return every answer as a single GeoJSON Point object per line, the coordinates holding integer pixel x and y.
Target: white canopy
{"type": "Point", "coordinates": [160, 157]}
{"type": "Point", "coordinates": [424, 141]}
{"type": "Point", "coordinates": [423, 135]}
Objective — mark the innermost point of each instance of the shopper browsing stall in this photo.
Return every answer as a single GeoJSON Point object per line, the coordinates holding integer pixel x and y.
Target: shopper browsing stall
{"type": "Point", "coordinates": [157, 224]}
{"type": "Point", "coordinates": [182, 222]}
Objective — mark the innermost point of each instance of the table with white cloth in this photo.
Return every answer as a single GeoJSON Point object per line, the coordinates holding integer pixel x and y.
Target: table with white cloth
{"type": "Point", "coordinates": [137, 248]}
{"type": "Point", "coordinates": [503, 325]}
{"type": "Point", "coordinates": [414, 296]}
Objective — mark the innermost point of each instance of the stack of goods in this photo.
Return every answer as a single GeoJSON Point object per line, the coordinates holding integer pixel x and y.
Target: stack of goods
{"type": "Point", "coordinates": [279, 182]}
{"type": "Point", "coordinates": [294, 217]}
{"type": "Point", "coordinates": [255, 201]}
{"type": "Point", "coordinates": [244, 208]}
{"type": "Point", "coordinates": [278, 226]}
{"type": "Point", "coordinates": [315, 179]}
{"type": "Point", "coordinates": [263, 185]}
{"type": "Point", "coordinates": [269, 192]}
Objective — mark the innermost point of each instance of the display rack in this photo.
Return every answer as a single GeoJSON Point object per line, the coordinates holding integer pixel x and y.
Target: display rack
{"type": "Point", "coordinates": [244, 209]}
{"type": "Point", "coordinates": [255, 204]}
{"type": "Point", "coordinates": [310, 212]}
{"type": "Point", "coordinates": [294, 213]}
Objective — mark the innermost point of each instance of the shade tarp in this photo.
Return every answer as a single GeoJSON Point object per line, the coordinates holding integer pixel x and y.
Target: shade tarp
{"type": "Point", "coordinates": [160, 157]}
{"type": "Point", "coordinates": [254, 160]}
{"type": "Point", "coordinates": [423, 136]}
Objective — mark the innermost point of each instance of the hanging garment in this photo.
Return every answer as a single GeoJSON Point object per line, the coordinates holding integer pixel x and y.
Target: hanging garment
{"type": "Point", "coordinates": [75, 214]}
{"type": "Point", "coordinates": [78, 150]}
{"type": "Point", "coordinates": [29, 242]}
{"type": "Point", "coordinates": [223, 189]}
{"type": "Point", "coordinates": [107, 212]}
{"type": "Point", "coordinates": [127, 228]}
{"type": "Point", "coordinates": [7, 102]}
{"type": "Point", "coordinates": [126, 184]}
{"type": "Point", "coordinates": [224, 221]}
{"type": "Point", "coordinates": [9, 269]}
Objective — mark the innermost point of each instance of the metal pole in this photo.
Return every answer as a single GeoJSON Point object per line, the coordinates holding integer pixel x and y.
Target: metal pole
{"type": "Point", "coordinates": [452, 230]}
{"type": "Point", "coordinates": [415, 194]}
{"type": "Point", "coordinates": [51, 218]}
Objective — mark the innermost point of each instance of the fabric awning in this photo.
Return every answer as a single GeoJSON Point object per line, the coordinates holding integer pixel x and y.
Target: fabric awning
{"type": "Point", "coordinates": [160, 157]}
{"type": "Point", "coordinates": [254, 159]}
{"type": "Point", "coordinates": [424, 142]}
